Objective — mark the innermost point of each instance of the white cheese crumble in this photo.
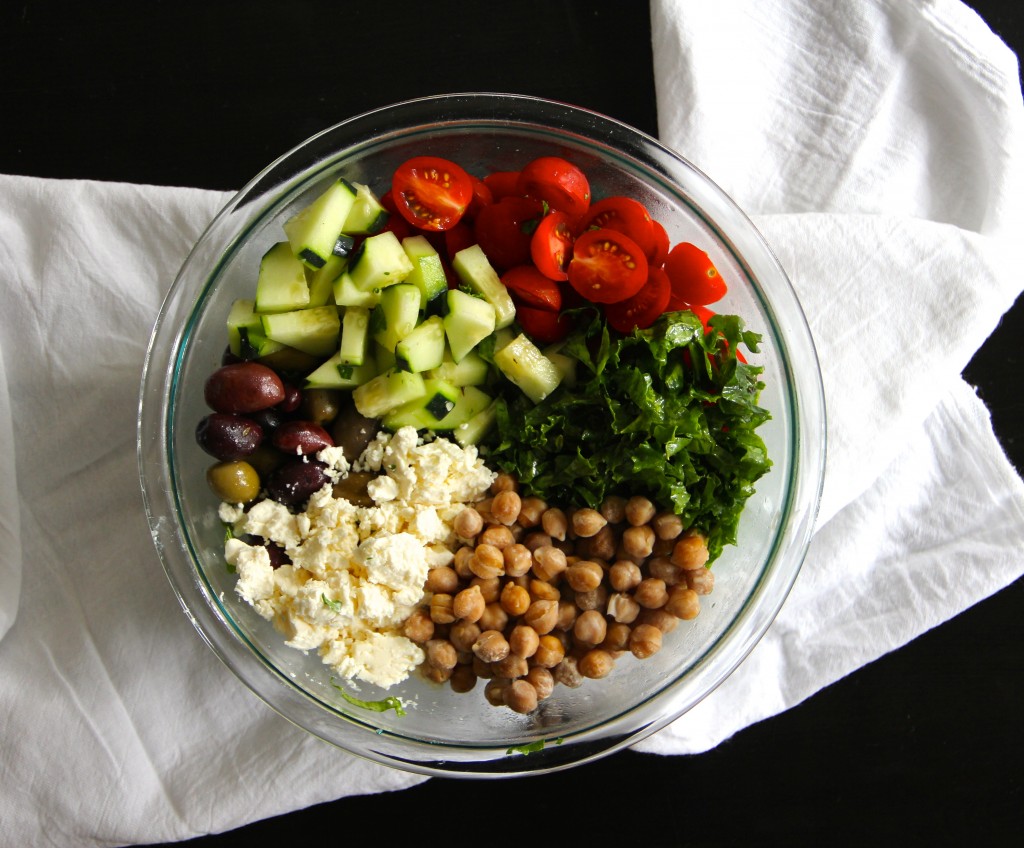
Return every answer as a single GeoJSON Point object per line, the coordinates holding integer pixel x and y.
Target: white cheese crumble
{"type": "Point", "coordinates": [357, 572]}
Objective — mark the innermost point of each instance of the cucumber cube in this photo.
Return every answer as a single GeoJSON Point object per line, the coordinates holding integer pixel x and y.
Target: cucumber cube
{"type": "Point", "coordinates": [313, 232]}
{"type": "Point", "coordinates": [476, 271]}
{"type": "Point", "coordinates": [367, 215]}
{"type": "Point", "coordinates": [334, 374]}
{"type": "Point", "coordinates": [378, 262]}
{"type": "Point", "coordinates": [346, 293]}
{"type": "Point", "coordinates": [522, 362]}
{"type": "Point", "coordinates": [423, 348]}
{"type": "Point", "coordinates": [387, 391]}
{"type": "Point", "coordinates": [396, 315]}
{"type": "Point", "coordinates": [473, 430]}
{"type": "Point", "coordinates": [314, 331]}
{"type": "Point", "coordinates": [469, 321]}
{"type": "Point", "coordinates": [321, 282]}
{"type": "Point", "coordinates": [471, 370]}
{"type": "Point", "coordinates": [428, 272]}
{"type": "Point", "coordinates": [281, 286]}
{"type": "Point", "coordinates": [355, 335]}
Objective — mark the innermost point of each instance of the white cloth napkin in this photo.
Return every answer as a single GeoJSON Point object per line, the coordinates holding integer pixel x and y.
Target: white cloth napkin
{"type": "Point", "coordinates": [846, 130]}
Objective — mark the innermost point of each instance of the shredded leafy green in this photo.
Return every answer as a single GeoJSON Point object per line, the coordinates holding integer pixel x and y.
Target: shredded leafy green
{"type": "Point", "coordinates": [669, 412]}
{"type": "Point", "coordinates": [331, 604]}
{"type": "Point", "coordinates": [389, 703]}
{"type": "Point", "coordinates": [530, 747]}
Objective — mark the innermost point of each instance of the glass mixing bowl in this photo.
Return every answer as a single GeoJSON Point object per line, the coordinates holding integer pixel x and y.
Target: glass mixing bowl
{"type": "Point", "coordinates": [443, 732]}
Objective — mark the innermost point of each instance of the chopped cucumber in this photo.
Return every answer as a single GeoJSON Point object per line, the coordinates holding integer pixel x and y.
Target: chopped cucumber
{"type": "Point", "coordinates": [346, 293]}
{"type": "Point", "coordinates": [242, 318]}
{"type": "Point", "coordinates": [473, 430]}
{"type": "Point", "coordinates": [469, 321]}
{"type": "Point", "coordinates": [314, 331]}
{"type": "Point", "coordinates": [378, 262]}
{"type": "Point", "coordinates": [396, 315]}
{"type": "Point", "coordinates": [428, 272]}
{"type": "Point", "coordinates": [387, 391]}
{"type": "Point", "coordinates": [475, 271]}
{"type": "Point", "coordinates": [313, 232]}
{"type": "Point", "coordinates": [334, 374]}
{"type": "Point", "coordinates": [355, 335]}
{"type": "Point", "coordinates": [423, 348]}
{"type": "Point", "coordinates": [471, 370]}
{"type": "Point", "coordinates": [426, 412]}
{"type": "Point", "coordinates": [385, 358]}
{"type": "Point", "coordinates": [321, 282]}
{"type": "Point", "coordinates": [565, 364]}
{"type": "Point", "coordinates": [367, 215]}
{"type": "Point", "coordinates": [281, 286]}
{"type": "Point", "coordinates": [523, 363]}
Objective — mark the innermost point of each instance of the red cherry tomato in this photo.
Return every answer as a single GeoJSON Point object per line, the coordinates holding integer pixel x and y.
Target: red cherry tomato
{"type": "Point", "coordinates": [482, 196]}
{"type": "Point", "coordinates": [551, 245]}
{"type": "Point", "coordinates": [643, 308]}
{"type": "Point", "coordinates": [529, 286]}
{"type": "Point", "coordinates": [607, 266]}
{"type": "Point", "coordinates": [396, 223]}
{"type": "Point", "coordinates": [558, 183]}
{"type": "Point", "coordinates": [502, 184]}
{"type": "Point", "coordinates": [504, 229]}
{"type": "Point", "coordinates": [458, 237]}
{"type": "Point", "coordinates": [661, 244]}
{"type": "Point", "coordinates": [542, 325]}
{"type": "Point", "coordinates": [693, 275]}
{"type": "Point", "coordinates": [431, 193]}
{"type": "Point", "coordinates": [624, 215]}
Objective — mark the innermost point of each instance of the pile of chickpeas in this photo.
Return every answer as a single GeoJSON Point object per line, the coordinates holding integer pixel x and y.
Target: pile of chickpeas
{"type": "Point", "coordinates": [538, 595]}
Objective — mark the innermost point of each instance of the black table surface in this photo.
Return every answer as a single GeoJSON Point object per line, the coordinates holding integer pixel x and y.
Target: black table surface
{"type": "Point", "coordinates": [923, 745]}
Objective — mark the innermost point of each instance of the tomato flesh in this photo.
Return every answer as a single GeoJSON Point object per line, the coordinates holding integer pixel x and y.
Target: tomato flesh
{"type": "Point", "coordinates": [607, 266]}
{"type": "Point", "coordinates": [551, 245]}
{"type": "Point", "coordinates": [431, 193]}
{"type": "Point", "coordinates": [694, 276]}
{"type": "Point", "coordinates": [626, 216]}
{"type": "Point", "coordinates": [529, 286]}
{"type": "Point", "coordinates": [542, 325]}
{"type": "Point", "coordinates": [643, 308]}
{"type": "Point", "coordinates": [557, 182]}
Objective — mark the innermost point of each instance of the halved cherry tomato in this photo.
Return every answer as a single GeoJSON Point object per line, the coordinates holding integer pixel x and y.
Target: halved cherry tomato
{"type": "Point", "coordinates": [502, 184]}
{"type": "Point", "coordinates": [624, 215]}
{"type": "Point", "coordinates": [559, 183]}
{"type": "Point", "coordinates": [607, 266]}
{"type": "Point", "coordinates": [458, 237]}
{"type": "Point", "coordinates": [542, 325]}
{"type": "Point", "coordinates": [661, 244]}
{"type": "Point", "coordinates": [643, 308]}
{"type": "Point", "coordinates": [529, 286]}
{"type": "Point", "coordinates": [694, 276]}
{"type": "Point", "coordinates": [431, 193]}
{"type": "Point", "coordinates": [504, 229]}
{"type": "Point", "coordinates": [551, 245]}
{"type": "Point", "coordinates": [482, 196]}
{"type": "Point", "coordinates": [396, 223]}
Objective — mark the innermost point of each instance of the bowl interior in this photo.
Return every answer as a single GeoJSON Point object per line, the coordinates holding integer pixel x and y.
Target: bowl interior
{"type": "Point", "coordinates": [442, 730]}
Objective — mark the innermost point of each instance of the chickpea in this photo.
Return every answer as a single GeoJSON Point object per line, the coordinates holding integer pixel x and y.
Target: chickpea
{"type": "Point", "coordinates": [660, 618]}
{"type": "Point", "coordinates": [645, 641]}
{"type": "Point", "coordinates": [418, 627]}
{"type": "Point", "coordinates": [494, 618]}
{"type": "Point", "coordinates": [586, 522]}
{"type": "Point", "coordinates": [624, 576]}
{"type": "Point", "coordinates": [435, 674]}
{"type": "Point", "coordinates": [614, 509]}
{"type": "Point", "coordinates": [515, 600]}
{"type": "Point", "coordinates": [481, 669]}
{"type": "Point", "coordinates": [555, 523]}
{"type": "Point", "coordinates": [567, 673]}
{"type": "Point", "coordinates": [463, 679]}
{"type": "Point", "coordinates": [596, 664]}
{"type": "Point", "coordinates": [541, 679]}
{"type": "Point", "coordinates": [490, 588]}
{"type": "Point", "coordinates": [664, 569]}
{"type": "Point", "coordinates": [590, 628]}
{"type": "Point", "coordinates": [484, 508]}
{"type": "Point", "coordinates": [602, 545]}
{"type": "Point", "coordinates": [690, 551]}
{"type": "Point", "coordinates": [541, 591]}
{"type": "Point", "coordinates": [651, 593]}
{"type": "Point", "coordinates": [520, 697]}
{"type": "Point", "coordinates": [442, 579]}
{"type": "Point", "coordinates": [461, 562]}
{"type": "Point", "coordinates": [441, 609]}
{"type": "Point", "coordinates": [504, 483]}
{"type": "Point", "coordinates": [567, 613]}
{"type": "Point", "coordinates": [617, 639]}
{"type": "Point", "coordinates": [441, 654]}
{"type": "Point", "coordinates": [494, 691]}
{"type": "Point", "coordinates": [663, 547]}
{"type": "Point", "coordinates": [505, 507]}
{"type": "Point", "coordinates": [487, 561]}
{"type": "Point", "coordinates": [639, 541]}
{"type": "Point", "coordinates": [542, 616]}
{"type": "Point", "coordinates": [584, 576]}
{"type": "Point", "coordinates": [491, 646]}
{"type": "Point", "coordinates": [594, 599]}
{"type": "Point", "coordinates": [518, 560]}
{"type": "Point", "coordinates": [510, 667]}
{"type": "Point", "coordinates": [523, 641]}
{"type": "Point", "coordinates": [530, 512]}
{"type": "Point", "coordinates": [463, 634]}
{"type": "Point", "coordinates": [667, 525]}
{"type": "Point", "coordinates": [701, 580]}
{"type": "Point", "coordinates": [639, 510]}
{"type": "Point", "coordinates": [497, 535]}
{"type": "Point", "coordinates": [550, 652]}
{"type": "Point", "coordinates": [534, 540]}
{"type": "Point", "coordinates": [468, 523]}
{"type": "Point", "coordinates": [623, 608]}
{"type": "Point", "coordinates": [548, 562]}
{"type": "Point", "coordinates": [469, 604]}
{"type": "Point", "coordinates": [683, 603]}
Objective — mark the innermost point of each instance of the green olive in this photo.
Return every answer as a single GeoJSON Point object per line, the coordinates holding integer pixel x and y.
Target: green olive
{"type": "Point", "coordinates": [352, 487]}
{"type": "Point", "coordinates": [321, 405]}
{"type": "Point", "coordinates": [234, 482]}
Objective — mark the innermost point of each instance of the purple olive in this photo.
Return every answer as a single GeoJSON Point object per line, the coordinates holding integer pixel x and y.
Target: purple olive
{"type": "Point", "coordinates": [297, 481]}
{"type": "Point", "coordinates": [243, 387]}
{"type": "Point", "coordinates": [227, 436]}
{"type": "Point", "coordinates": [302, 438]}
{"type": "Point", "coordinates": [292, 398]}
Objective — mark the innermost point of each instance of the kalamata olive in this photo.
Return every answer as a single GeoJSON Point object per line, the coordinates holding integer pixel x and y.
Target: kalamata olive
{"type": "Point", "coordinates": [266, 459]}
{"type": "Point", "coordinates": [296, 481]}
{"type": "Point", "coordinates": [292, 398]}
{"type": "Point", "coordinates": [303, 438]}
{"type": "Point", "coordinates": [243, 387]}
{"type": "Point", "coordinates": [320, 405]}
{"type": "Point", "coordinates": [278, 555]}
{"type": "Point", "coordinates": [352, 431]}
{"type": "Point", "coordinates": [269, 419]}
{"type": "Point", "coordinates": [234, 482]}
{"type": "Point", "coordinates": [227, 436]}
